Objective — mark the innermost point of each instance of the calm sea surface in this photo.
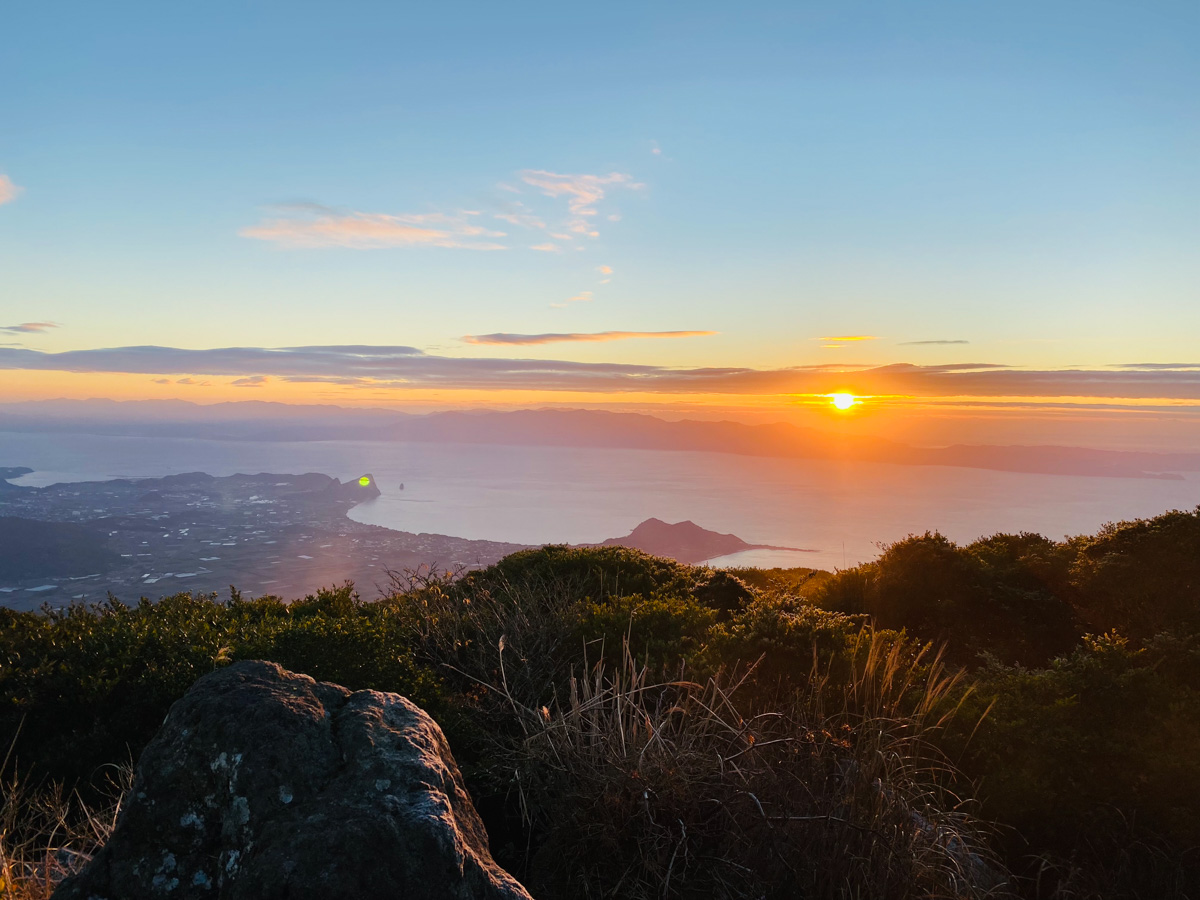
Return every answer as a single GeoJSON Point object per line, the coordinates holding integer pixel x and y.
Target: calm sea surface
{"type": "Point", "coordinates": [549, 494]}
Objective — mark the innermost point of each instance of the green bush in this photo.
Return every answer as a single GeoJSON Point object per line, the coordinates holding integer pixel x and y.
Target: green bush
{"type": "Point", "coordinates": [89, 685]}
{"type": "Point", "coordinates": [1005, 596]}
{"type": "Point", "coordinates": [594, 573]}
{"type": "Point", "coordinates": [782, 638]}
{"type": "Point", "coordinates": [660, 631]}
{"type": "Point", "coordinates": [1088, 750]}
{"type": "Point", "coordinates": [1096, 758]}
{"type": "Point", "coordinates": [1141, 577]}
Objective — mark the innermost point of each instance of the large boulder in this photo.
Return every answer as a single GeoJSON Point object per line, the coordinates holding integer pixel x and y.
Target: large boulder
{"type": "Point", "coordinates": [265, 784]}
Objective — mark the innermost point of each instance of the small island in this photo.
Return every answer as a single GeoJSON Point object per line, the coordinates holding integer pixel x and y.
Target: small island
{"type": "Point", "coordinates": [685, 542]}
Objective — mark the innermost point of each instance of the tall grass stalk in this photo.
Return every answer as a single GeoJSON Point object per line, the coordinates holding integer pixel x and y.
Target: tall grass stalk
{"type": "Point", "coordinates": [48, 833]}
{"type": "Point", "coordinates": [634, 786]}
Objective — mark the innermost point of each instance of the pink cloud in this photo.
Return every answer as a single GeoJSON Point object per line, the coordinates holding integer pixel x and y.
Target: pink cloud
{"type": "Point", "coordinates": [312, 226]}
{"type": "Point", "coordinates": [595, 336]}
{"type": "Point", "coordinates": [582, 191]}
{"type": "Point", "coordinates": [8, 190]}
{"type": "Point", "coordinates": [28, 327]}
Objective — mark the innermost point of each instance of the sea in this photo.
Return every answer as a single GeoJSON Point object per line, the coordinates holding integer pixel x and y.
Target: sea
{"type": "Point", "coordinates": [836, 514]}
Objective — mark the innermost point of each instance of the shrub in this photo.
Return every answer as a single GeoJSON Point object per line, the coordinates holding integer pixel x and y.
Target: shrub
{"type": "Point", "coordinates": [594, 573]}
{"type": "Point", "coordinates": [1095, 762]}
{"type": "Point", "coordinates": [1004, 596]}
{"type": "Point", "coordinates": [1141, 577]}
{"type": "Point", "coordinates": [93, 683]}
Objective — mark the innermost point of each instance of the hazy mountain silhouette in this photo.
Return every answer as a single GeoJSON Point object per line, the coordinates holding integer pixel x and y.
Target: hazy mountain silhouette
{"type": "Point", "coordinates": [266, 421]}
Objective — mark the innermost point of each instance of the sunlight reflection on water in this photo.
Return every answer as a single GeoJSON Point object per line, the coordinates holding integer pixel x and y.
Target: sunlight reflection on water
{"type": "Point", "coordinates": [558, 494]}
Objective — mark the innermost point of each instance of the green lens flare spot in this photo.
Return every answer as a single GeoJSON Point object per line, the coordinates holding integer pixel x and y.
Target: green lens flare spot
{"type": "Point", "coordinates": [365, 480]}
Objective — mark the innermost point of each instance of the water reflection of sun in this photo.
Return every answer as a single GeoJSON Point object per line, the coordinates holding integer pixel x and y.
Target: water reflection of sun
{"type": "Point", "coordinates": [843, 401]}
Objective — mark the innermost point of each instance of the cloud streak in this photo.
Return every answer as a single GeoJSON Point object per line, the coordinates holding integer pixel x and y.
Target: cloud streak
{"type": "Point", "coordinates": [581, 297]}
{"type": "Point", "coordinates": [307, 225]}
{"type": "Point", "coordinates": [837, 342]}
{"type": "Point", "coordinates": [315, 226]}
{"type": "Point", "coordinates": [407, 367]}
{"type": "Point", "coordinates": [570, 337]}
{"type": "Point", "coordinates": [28, 328]}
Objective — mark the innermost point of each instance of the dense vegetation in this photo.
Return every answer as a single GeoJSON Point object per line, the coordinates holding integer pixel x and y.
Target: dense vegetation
{"type": "Point", "coordinates": [631, 727]}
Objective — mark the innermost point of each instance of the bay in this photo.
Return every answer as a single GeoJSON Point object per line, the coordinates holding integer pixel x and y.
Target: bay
{"type": "Point", "coordinates": [842, 511]}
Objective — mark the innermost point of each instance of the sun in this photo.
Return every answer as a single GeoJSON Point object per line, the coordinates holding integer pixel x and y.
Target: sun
{"type": "Point", "coordinates": [843, 401]}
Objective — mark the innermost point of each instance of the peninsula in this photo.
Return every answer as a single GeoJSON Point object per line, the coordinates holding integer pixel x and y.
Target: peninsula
{"type": "Point", "coordinates": [265, 534]}
{"type": "Point", "coordinates": [283, 535]}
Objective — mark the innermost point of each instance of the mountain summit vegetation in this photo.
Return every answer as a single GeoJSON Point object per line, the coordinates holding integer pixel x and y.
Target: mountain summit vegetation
{"type": "Point", "coordinates": [1016, 717]}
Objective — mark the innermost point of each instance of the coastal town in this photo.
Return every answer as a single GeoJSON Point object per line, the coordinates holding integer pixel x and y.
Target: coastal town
{"type": "Point", "coordinates": [265, 534]}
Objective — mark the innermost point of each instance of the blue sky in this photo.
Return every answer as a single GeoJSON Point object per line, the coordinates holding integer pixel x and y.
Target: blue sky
{"type": "Point", "coordinates": [1020, 176]}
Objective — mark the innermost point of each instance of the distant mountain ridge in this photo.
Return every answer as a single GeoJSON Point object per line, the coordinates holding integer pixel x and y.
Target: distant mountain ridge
{"type": "Point", "coordinates": [267, 421]}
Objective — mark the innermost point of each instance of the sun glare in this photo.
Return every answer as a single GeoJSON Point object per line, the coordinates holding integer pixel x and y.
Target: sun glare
{"type": "Point", "coordinates": [842, 401]}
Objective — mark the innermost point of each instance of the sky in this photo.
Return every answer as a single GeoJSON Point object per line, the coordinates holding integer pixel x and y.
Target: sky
{"type": "Point", "coordinates": [981, 219]}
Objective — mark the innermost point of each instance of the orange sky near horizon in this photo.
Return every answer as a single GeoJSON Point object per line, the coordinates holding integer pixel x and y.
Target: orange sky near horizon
{"type": "Point", "coordinates": [1139, 423]}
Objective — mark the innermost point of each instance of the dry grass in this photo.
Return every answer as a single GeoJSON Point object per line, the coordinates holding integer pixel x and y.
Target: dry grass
{"type": "Point", "coordinates": [672, 790]}
{"type": "Point", "coordinates": [48, 833]}
{"type": "Point", "coordinates": [636, 786]}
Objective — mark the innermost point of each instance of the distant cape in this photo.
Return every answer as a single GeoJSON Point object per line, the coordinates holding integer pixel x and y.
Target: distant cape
{"type": "Point", "coordinates": [685, 542]}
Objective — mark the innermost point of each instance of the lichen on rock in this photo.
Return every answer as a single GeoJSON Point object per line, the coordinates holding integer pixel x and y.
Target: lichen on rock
{"type": "Point", "coordinates": [266, 784]}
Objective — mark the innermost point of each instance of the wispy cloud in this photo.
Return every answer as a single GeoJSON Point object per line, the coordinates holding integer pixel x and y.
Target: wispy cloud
{"type": "Point", "coordinates": [8, 190]}
{"type": "Point", "coordinates": [582, 193]}
{"type": "Point", "coordinates": [184, 381]}
{"type": "Point", "coordinates": [1150, 367]}
{"type": "Point", "coordinates": [394, 367]}
{"type": "Point", "coordinates": [594, 336]}
{"type": "Point", "coordinates": [581, 297]}
{"type": "Point", "coordinates": [520, 217]}
{"type": "Point", "coordinates": [251, 381]}
{"type": "Point", "coordinates": [313, 225]}
{"type": "Point", "coordinates": [28, 328]}
{"type": "Point", "coordinates": [308, 225]}
{"type": "Point", "coordinates": [927, 343]}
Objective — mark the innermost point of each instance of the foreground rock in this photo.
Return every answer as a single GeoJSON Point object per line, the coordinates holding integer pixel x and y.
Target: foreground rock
{"type": "Point", "coordinates": [266, 784]}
